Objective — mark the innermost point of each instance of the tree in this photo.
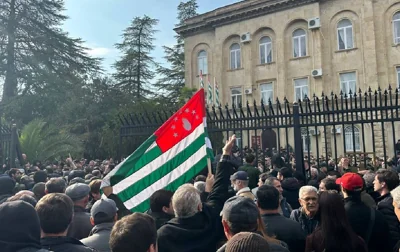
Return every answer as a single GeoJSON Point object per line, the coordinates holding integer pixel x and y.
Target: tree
{"type": "Point", "coordinates": [173, 76]}
{"type": "Point", "coordinates": [34, 51]}
{"type": "Point", "coordinates": [47, 142]}
{"type": "Point", "coordinates": [134, 70]}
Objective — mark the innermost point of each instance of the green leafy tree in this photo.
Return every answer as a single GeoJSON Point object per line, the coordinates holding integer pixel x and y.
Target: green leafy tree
{"type": "Point", "coordinates": [35, 52]}
{"type": "Point", "coordinates": [172, 78]}
{"type": "Point", "coordinates": [47, 142]}
{"type": "Point", "coordinates": [135, 69]}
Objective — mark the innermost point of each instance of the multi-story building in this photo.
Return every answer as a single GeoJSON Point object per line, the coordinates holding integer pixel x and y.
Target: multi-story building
{"type": "Point", "coordinates": [268, 49]}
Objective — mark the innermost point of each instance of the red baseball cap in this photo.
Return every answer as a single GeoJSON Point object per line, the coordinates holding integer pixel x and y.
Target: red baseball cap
{"type": "Point", "coordinates": [351, 181]}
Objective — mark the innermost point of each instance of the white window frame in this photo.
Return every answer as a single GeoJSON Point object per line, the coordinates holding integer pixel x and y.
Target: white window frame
{"type": "Point", "coordinates": [269, 90]}
{"type": "Point", "coordinates": [237, 63]}
{"type": "Point", "coordinates": [345, 85]}
{"type": "Point", "coordinates": [301, 88]}
{"type": "Point", "coordinates": [235, 97]}
{"type": "Point", "coordinates": [346, 40]}
{"type": "Point", "coordinates": [264, 46]}
{"type": "Point", "coordinates": [398, 76]}
{"type": "Point", "coordinates": [396, 22]}
{"type": "Point", "coordinates": [202, 64]}
{"type": "Point", "coordinates": [306, 137]}
{"type": "Point", "coordinates": [298, 44]}
{"type": "Point", "coordinates": [348, 133]}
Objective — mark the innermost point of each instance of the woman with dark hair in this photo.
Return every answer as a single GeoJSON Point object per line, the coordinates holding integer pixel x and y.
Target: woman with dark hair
{"type": "Point", "coordinates": [334, 232]}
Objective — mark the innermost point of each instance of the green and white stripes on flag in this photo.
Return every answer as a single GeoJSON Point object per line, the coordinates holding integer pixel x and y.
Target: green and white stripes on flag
{"type": "Point", "coordinates": [209, 92]}
{"type": "Point", "coordinates": [172, 156]}
{"type": "Point", "coordinates": [201, 79]}
{"type": "Point", "coordinates": [216, 90]}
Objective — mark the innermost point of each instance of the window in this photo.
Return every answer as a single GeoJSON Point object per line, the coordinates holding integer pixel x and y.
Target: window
{"type": "Point", "coordinates": [235, 56]}
{"type": "Point", "coordinates": [202, 62]}
{"type": "Point", "coordinates": [236, 94]}
{"type": "Point", "coordinates": [352, 136]}
{"type": "Point", "coordinates": [300, 88]}
{"type": "Point", "coordinates": [345, 34]}
{"type": "Point", "coordinates": [306, 139]}
{"type": "Point", "coordinates": [267, 92]}
{"type": "Point", "coordinates": [348, 82]}
{"type": "Point", "coordinates": [396, 28]}
{"type": "Point", "coordinates": [238, 139]}
{"type": "Point", "coordinates": [265, 50]}
{"type": "Point", "coordinates": [299, 43]}
{"type": "Point", "coordinates": [398, 76]}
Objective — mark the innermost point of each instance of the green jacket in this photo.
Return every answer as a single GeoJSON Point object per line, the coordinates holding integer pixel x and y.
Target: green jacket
{"type": "Point", "coordinates": [253, 174]}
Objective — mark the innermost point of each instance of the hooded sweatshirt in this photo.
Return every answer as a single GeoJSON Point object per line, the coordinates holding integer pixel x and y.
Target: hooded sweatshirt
{"type": "Point", "coordinates": [7, 185]}
{"type": "Point", "coordinates": [20, 227]}
{"type": "Point", "coordinates": [291, 187]}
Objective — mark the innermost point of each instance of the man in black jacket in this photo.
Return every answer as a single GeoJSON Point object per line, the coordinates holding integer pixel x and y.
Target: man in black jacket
{"type": "Point", "coordinates": [290, 186]}
{"type": "Point", "coordinates": [371, 226]}
{"type": "Point", "coordinates": [197, 227]}
{"type": "Point", "coordinates": [161, 207]}
{"type": "Point", "coordinates": [55, 213]}
{"type": "Point", "coordinates": [384, 182]}
{"type": "Point", "coordinates": [276, 225]}
{"type": "Point", "coordinates": [7, 185]}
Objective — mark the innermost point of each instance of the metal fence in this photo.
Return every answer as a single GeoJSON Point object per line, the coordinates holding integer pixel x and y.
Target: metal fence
{"type": "Point", "coordinates": [10, 149]}
{"type": "Point", "coordinates": [324, 128]}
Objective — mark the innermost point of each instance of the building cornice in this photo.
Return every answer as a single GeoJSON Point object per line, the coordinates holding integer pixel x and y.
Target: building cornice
{"type": "Point", "coordinates": [236, 12]}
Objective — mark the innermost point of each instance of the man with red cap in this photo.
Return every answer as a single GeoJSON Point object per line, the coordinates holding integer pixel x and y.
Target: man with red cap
{"type": "Point", "coordinates": [367, 222]}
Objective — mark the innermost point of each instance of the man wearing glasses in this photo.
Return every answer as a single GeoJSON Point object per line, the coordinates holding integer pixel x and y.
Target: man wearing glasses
{"type": "Point", "coordinates": [306, 215]}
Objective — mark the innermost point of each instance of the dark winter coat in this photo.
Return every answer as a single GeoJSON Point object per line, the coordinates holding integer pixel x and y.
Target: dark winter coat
{"type": "Point", "coordinates": [64, 244]}
{"type": "Point", "coordinates": [307, 224]}
{"type": "Point", "coordinates": [160, 218]}
{"type": "Point", "coordinates": [80, 226]}
{"type": "Point", "coordinates": [359, 216]}
{"type": "Point", "coordinates": [253, 174]}
{"type": "Point", "coordinates": [285, 208]}
{"type": "Point", "coordinates": [291, 187]}
{"type": "Point", "coordinates": [201, 232]}
{"type": "Point", "coordinates": [286, 230]}
{"type": "Point", "coordinates": [99, 237]}
{"type": "Point", "coordinates": [385, 206]}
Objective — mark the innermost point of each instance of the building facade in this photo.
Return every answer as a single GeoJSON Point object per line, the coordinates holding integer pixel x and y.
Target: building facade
{"type": "Point", "coordinates": [268, 49]}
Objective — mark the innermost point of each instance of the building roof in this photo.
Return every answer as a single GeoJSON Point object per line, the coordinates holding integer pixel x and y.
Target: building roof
{"type": "Point", "coordinates": [236, 12]}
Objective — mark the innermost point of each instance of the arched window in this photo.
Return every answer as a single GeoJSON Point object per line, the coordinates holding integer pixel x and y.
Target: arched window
{"type": "Point", "coordinates": [265, 50]}
{"type": "Point", "coordinates": [299, 43]}
{"type": "Point", "coordinates": [202, 63]}
{"type": "Point", "coordinates": [306, 139]}
{"type": "Point", "coordinates": [396, 28]}
{"type": "Point", "coordinates": [235, 56]}
{"type": "Point", "coordinates": [352, 136]}
{"type": "Point", "coordinates": [345, 34]}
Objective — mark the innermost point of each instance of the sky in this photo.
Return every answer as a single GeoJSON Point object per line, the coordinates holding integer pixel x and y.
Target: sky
{"type": "Point", "coordinates": [100, 23]}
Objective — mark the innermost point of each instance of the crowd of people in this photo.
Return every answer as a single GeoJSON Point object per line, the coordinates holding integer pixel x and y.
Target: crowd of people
{"type": "Point", "coordinates": [239, 208]}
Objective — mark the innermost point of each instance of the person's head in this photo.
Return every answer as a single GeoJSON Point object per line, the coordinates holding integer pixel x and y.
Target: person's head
{"type": "Point", "coordinates": [323, 167]}
{"type": "Point", "coordinates": [55, 185]}
{"type": "Point", "coordinates": [55, 211]}
{"type": "Point", "coordinates": [314, 172]}
{"type": "Point", "coordinates": [308, 199]}
{"type": "Point", "coordinates": [200, 185]}
{"type": "Point", "coordinates": [268, 198]}
{"type": "Point", "coordinates": [39, 190]}
{"type": "Point", "coordinates": [136, 232]}
{"type": "Point", "coordinates": [15, 174]}
{"type": "Point", "coordinates": [250, 159]}
{"type": "Point", "coordinates": [272, 181]}
{"type": "Point", "coordinates": [300, 177]}
{"type": "Point", "coordinates": [7, 184]}
{"type": "Point", "coordinates": [247, 242]}
{"type": "Point", "coordinates": [369, 180]}
{"type": "Point", "coordinates": [79, 194]}
{"type": "Point", "coordinates": [24, 197]}
{"type": "Point", "coordinates": [385, 181]}
{"type": "Point", "coordinates": [94, 186]}
{"type": "Point", "coordinates": [40, 176]}
{"type": "Point", "coordinates": [396, 201]}
{"type": "Point", "coordinates": [351, 185]}
{"type": "Point", "coordinates": [103, 211]}
{"type": "Point", "coordinates": [239, 180]}
{"type": "Point", "coordinates": [186, 201]}
{"type": "Point", "coordinates": [262, 178]}
{"type": "Point", "coordinates": [161, 201]}
{"type": "Point", "coordinates": [334, 174]}
{"type": "Point", "coordinates": [200, 178]}
{"type": "Point", "coordinates": [76, 174]}
{"type": "Point", "coordinates": [328, 184]}
{"type": "Point", "coordinates": [284, 173]}
{"type": "Point", "coordinates": [20, 228]}
{"type": "Point", "coordinates": [239, 214]}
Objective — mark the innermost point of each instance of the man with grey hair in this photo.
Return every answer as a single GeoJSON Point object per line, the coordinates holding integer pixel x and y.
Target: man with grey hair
{"type": "Point", "coordinates": [196, 226]}
{"type": "Point", "coordinates": [200, 186]}
{"type": "Point", "coordinates": [240, 184]}
{"type": "Point", "coordinates": [306, 215]}
{"type": "Point", "coordinates": [284, 207]}
{"type": "Point", "coordinates": [396, 201]}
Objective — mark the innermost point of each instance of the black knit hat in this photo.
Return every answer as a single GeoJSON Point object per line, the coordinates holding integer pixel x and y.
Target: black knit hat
{"type": "Point", "coordinates": [247, 242]}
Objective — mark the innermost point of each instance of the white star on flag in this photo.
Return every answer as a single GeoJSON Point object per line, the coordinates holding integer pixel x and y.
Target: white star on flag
{"type": "Point", "coordinates": [194, 112]}
{"type": "Point", "coordinates": [175, 135]}
{"type": "Point", "coordinates": [176, 119]}
{"type": "Point", "coordinates": [187, 110]}
{"type": "Point", "coordinates": [173, 127]}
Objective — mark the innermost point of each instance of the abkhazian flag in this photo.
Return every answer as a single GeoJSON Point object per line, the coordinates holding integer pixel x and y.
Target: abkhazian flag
{"type": "Point", "coordinates": [172, 156]}
{"type": "Point", "coordinates": [216, 92]}
{"type": "Point", "coordinates": [209, 92]}
{"type": "Point", "coordinates": [201, 79]}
